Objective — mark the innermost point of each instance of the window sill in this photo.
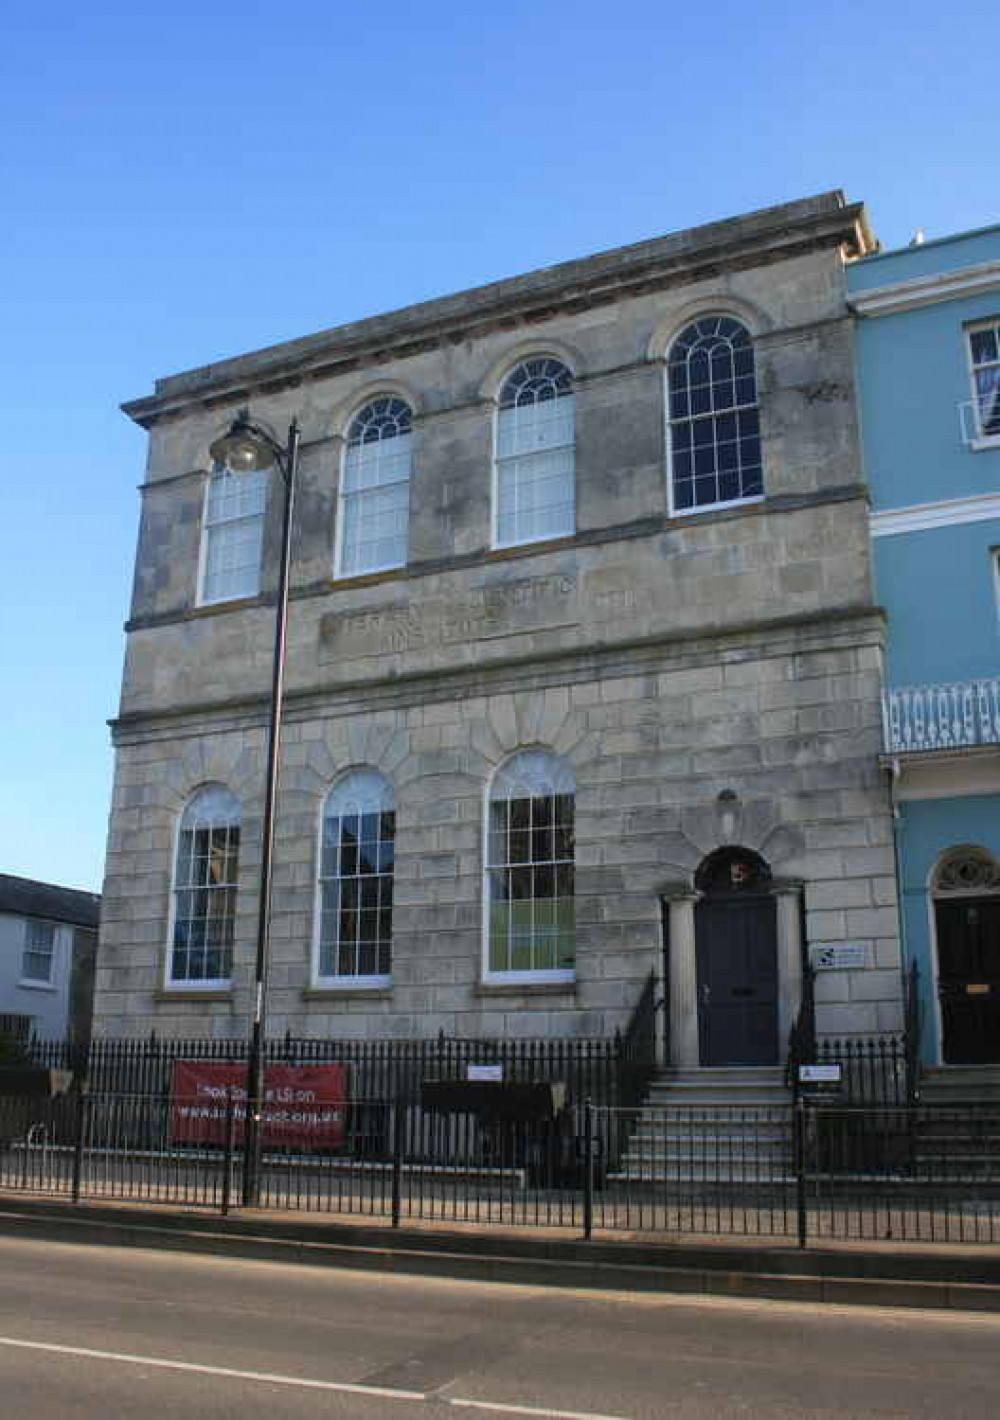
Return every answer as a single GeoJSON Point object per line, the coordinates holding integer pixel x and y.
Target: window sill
{"type": "Point", "coordinates": [525, 988]}
{"type": "Point", "coordinates": [182, 993]}
{"type": "Point", "coordinates": [979, 446]}
{"type": "Point", "coordinates": [226, 604]}
{"type": "Point", "coordinates": [525, 549]}
{"type": "Point", "coordinates": [733, 505]}
{"type": "Point", "coordinates": [344, 583]}
{"type": "Point", "coordinates": [26, 985]}
{"type": "Point", "coordinates": [344, 992]}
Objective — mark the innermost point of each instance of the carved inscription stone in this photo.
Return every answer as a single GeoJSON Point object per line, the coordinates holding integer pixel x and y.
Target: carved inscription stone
{"type": "Point", "coordinates": [496, 609]}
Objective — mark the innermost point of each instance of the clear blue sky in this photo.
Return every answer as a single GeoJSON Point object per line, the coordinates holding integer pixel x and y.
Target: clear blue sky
{"type": "Point", "coordinates": [188, 181]}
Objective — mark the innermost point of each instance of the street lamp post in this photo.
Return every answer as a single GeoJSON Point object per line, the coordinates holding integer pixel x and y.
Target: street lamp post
{"type": "Point", "coordinates": [249, 448]}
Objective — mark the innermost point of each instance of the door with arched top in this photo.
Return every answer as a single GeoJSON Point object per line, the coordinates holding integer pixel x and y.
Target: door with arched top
{"type": "Point", "coordinates": [737, 959]}
{"type": "Point", "coordinates": [967, 927]}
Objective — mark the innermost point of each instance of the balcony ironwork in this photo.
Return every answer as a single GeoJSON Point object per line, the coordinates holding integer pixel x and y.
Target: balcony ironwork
{"type": "Point", "coordinates": [980, 421]}
{"type": "Point", "coordinates": [960, 715]}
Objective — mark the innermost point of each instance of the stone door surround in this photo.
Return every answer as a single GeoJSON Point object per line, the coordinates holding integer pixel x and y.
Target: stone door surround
{"type": "Point", "coordinates": [681, 993]}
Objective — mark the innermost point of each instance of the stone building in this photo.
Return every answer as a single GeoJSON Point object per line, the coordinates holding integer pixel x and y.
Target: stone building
{"type": "Point", "coordinates": [583, 666]}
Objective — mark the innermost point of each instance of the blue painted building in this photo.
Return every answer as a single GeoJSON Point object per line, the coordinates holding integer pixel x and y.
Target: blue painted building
{"type": "Point", "coordinates": [929, 371]}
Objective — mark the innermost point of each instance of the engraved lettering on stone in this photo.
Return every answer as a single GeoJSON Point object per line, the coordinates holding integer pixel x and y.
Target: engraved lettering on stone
{"type": "Point", "coordinates": [496, 609]}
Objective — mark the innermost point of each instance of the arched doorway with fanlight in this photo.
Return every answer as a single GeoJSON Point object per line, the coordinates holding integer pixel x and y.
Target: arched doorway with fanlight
{"type": "Point", "coordinates": [736, 950]}
{"type": "Point", "coordinates": [965, 892]}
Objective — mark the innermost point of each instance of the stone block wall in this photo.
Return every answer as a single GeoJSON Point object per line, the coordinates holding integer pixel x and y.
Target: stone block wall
{"type": "Point", "coordinates": [668, 659]}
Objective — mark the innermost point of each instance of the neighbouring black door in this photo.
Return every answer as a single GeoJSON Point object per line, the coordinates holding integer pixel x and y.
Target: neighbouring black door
{"type": "Point", "coordinates": [736, 942]}
{"type": "Point", "coordinates": [968, 941]}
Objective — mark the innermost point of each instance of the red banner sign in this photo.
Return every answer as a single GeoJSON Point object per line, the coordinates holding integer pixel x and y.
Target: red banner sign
{"type": "Point", "coordinates": [305, 1106]}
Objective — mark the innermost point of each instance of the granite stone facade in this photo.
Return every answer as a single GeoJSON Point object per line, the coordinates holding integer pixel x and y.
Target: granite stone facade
{"type": "Point", "coordinates": [712, 678]}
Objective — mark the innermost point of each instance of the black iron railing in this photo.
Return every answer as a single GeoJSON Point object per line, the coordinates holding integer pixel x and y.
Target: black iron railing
{"type": "Point", "coordinates": [803, 1171]}
{"type": "Point", "coordinates": [802, 1036]}
{"type": "Point", "coordinates": [636, 1047]}
{"type": "Point", "coordinates": [377, 1069]}
{"type": "Point", "coordinates": [875, 1070]}
{"type": "Point", "coordinates": [912, 1030]}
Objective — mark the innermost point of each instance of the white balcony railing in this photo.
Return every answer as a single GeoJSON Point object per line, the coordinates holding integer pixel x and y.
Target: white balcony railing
{"type": "Point", "coordinates": [926, 717]}
{"type": "Point", "coordinates": [980, 420]}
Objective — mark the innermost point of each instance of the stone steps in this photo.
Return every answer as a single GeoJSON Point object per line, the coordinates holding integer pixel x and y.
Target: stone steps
{"type": "Point", "coordinates": [727, 1125]}
{"type": "Point", "coordinates": [960, 1085]}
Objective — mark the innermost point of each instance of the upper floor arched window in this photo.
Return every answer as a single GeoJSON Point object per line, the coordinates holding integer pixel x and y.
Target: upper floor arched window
{"type": "Point", "coordinates": [535, 453]}
{"type": "Point", "coordinates": [357, 855]}
{"type": "Point", "coordinates": [205, 882]}
{"type": "Point", "coordinates": [375, 489]}
{"type": "Point", "coordinates": [715, 454]}
{"type": "Point", "coordinates": [232, 534]}
{"type": "Point", "coordinates": [530, 869]}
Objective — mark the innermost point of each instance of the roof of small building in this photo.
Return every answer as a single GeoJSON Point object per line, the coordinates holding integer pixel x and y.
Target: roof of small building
{"type": "Point", "coordinates": [27, 898]}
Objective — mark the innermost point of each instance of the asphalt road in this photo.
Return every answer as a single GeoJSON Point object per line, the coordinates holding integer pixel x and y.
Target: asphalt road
{"type": "Point", "coordinates": [88, 1332]}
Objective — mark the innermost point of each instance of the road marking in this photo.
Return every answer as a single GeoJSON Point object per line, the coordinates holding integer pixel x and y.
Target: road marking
{"type": "Point", "coordinates": [529, 1410]}
{"type": "Point", "coordinates": [302, 1381]}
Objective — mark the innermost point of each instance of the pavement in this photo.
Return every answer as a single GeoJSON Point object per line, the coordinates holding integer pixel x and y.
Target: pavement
{"type": "Point", "coordinates": [953, 1276]}
{"type": "Point", "coordinates": [88, 1332]}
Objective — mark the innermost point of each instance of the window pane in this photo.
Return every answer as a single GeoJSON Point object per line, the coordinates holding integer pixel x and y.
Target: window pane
{"type": "Point", "coordinates": [530, 849]}
{"type": "Point", "coordinates": [375, 493]}
{"type": "Point", "coordinates": [233, 534]}
{"type": "Point", "coordinates": [536, 462]}
{"type": "Point", "coordinates": [710, 372]}
{"type": "Point", "coordinates": [355, 942]}
{"type": "Point", "coordinates": [205, 878]}
{"type": "Point", "coordinates": [984, 345]}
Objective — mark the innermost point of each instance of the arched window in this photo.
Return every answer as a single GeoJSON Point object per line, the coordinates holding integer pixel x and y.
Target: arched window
{"type": "Point", "coordinates": [375, 491]}
{"type": "Point", "coordinates": [535, 495]}
{"type": "Point", "coordinates": [715, 455]}
{"type": "Point", "coordinates": [530, 869]}
{"type": "Point", "coordinates": [355, 880]}
{"type": "Point", "coordinates": [205, 879]}
{"type": "Point", "coordinates": [233, 534]}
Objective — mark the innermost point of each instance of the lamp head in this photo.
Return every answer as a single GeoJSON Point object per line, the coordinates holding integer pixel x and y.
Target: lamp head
{"type": "Point", "coordinates": [245, 448]}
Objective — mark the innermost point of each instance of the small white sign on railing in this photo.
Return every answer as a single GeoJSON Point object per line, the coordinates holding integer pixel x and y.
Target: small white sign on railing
{"type": "Point", "coordinates": [484, 1072]}
{"type": "Point", "coordinates": [820, 1074]}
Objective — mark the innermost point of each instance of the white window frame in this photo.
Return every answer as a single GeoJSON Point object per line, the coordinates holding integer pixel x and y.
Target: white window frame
{"type": "Point", "coordinates": [535, 773]}
{"type": "Point", "coordinates": [369, 412]}
{"type": "Point", "coordinates": [367, 792]}
{"type": "Point", "coordinates": [982, 440]}
{"type": "Point", "coordinates": [735, 409]}
{"type": "Point", "coordinates": [506, 465]}
{"type": "Point", "coordinates": [216, 818]}
{"type": "Point", "coordinates": [246, 484]}
{"type": "Point", "coordinates": [31, 948]}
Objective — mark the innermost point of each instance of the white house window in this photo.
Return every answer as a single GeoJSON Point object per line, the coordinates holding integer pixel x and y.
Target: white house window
{"type": "Point", "coordinates": [38, 961]}
{"type": "Point", "coordinates": [355, 884]}
{"type": "Point", "coordinates": [535, 456]}
{"type": "Point", "coordinates": [205, 880]}
{"type": "Point", "coordinates": [984, 356]}
{"type": "Point", "coordinates": [530, 870]}
{"type": "Point", "coordinates": [233, 534]}
{"type": "Point", "coordinates": [375, 501]}
{"type": "Point", "coordinates": [715, 455]}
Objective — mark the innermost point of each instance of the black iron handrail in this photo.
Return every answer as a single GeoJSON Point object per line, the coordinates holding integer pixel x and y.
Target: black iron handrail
{"type": "Point", "coordinates": [636, 1045]}
{"type": "Point", "coordinates": [912, 1023]}
{"type": "Point", "coordinates": [802, 1046]}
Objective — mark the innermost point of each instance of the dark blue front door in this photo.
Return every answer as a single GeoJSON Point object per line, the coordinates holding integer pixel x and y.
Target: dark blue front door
{"type": "Point", "coordinates": [736, 942]}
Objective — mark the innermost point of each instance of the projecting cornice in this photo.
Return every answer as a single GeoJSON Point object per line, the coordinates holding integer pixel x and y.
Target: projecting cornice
{"type": "Point", "coordinates": [698, 253]}
{"type": "Point", "coordinates": [926, 290]}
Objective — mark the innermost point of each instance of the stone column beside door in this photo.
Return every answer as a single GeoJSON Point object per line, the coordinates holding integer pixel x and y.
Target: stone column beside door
{"type": "Point", "coordinates": [682, 983]}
